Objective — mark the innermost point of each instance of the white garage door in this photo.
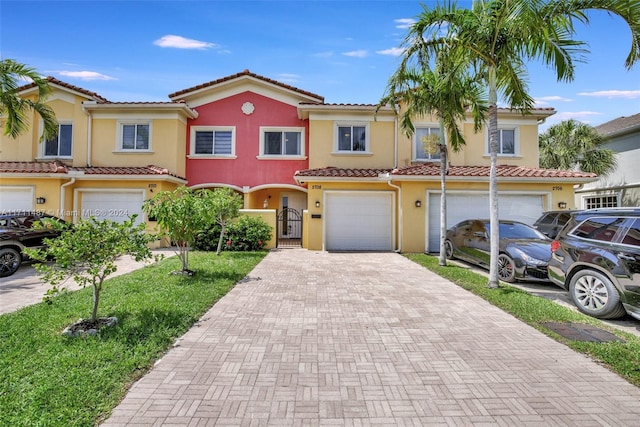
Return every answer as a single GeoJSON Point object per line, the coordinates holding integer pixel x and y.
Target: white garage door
{"type": "Point", "coordinates": [523, 208]}
{"type": "Point", "coordinates": [359, 221]}
{"type": "Point", "coordinates": [114, 205]}
{"type": "Point", "coordinates": [16, 198]}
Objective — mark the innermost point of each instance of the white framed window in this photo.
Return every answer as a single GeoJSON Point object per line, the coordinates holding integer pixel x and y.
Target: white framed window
{"type": "Point", "coordinates": [281, 143]}
{"type": "Point", "coordinates": [352, 138]}
{"type": "Point", "coordinates": [425, 135]}
{"type": "Point", "coordinates": [213, 141]}
{"type": "Point", "coordinates": [603, 201]}
{"type": "Point", "coordinates": [61, 144]}
{"type": "Point", "coordinates": [134, 136]}
{"type": "Point", "coordinates": [507, 142]}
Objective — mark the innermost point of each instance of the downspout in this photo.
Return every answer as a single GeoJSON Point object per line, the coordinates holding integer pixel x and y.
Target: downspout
{"type": "Point", "coordinates": [89, 140]}
{"type": "Point", "coordinates": [62, 198]}
{"type": "Point", "coordinates": [395, 142]}
{"type": "Point", "coordinates": [399, 248]}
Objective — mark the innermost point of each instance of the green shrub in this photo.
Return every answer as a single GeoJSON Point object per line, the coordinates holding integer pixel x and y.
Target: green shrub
{"type": "Point", "coordinates": [245, 234]}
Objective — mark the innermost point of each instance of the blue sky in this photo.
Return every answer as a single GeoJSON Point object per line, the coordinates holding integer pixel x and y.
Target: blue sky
{"type": "Point", "coordinates": [342, 50]}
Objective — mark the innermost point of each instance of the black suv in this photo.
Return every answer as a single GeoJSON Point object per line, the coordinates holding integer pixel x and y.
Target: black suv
{"type": "Point", "coordinates": [17, 233]}
{"type": "Point", "coordinates": [551, 222]}
{"type": "Point", "coordinates": [596, 257]}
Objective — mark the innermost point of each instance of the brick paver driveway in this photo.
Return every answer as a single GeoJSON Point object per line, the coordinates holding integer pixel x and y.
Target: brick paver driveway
{"type": "Point", "coordinates": [357, 339]}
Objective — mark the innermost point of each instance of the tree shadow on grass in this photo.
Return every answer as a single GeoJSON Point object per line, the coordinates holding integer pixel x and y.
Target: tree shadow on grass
{"type": "Point", "coordinates": [150, 324]}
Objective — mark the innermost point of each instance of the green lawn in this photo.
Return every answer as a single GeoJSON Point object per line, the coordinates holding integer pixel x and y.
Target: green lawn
{"type": "Point", "coordinates": [620, 357]}
{"type": "Point", "coordinates": [50, 380]}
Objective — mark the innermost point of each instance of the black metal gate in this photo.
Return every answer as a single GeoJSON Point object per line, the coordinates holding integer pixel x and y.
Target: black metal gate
{"type": "Point", "coordinates": [289, 228]}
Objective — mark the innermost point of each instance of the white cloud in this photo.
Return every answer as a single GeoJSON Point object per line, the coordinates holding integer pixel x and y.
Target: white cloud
{"type": "Point", "coordinates": [546, 100]}
{"type": "Point", "coordinates": [86, 75]}
{"type": "Point", "coordinates": [357, 53]}
{"type": "Point", "coordinates": [180, 42]}
{"type": "Point", "coordinates": [327, 54]}
{"type": "Point", "coordinates": [394, 51]}
{"type": "Point", "coordinates": [626, 94]}
{"type": "Point", "coordinates": [582, 116]}
{"type": "Point", "coordinates": [288, 78]}
{"type": "Point", "coordinates": [404, 23]}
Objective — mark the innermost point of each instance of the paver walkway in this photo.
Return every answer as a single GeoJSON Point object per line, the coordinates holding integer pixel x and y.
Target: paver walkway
{"type": "Point", "coordinates": [355, 339]}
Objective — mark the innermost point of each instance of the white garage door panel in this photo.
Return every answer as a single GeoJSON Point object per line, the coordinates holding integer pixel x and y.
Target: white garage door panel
{"type": "Point", "coordinates": [16, 198]}
{"type": "Point", "coordinates": [359, 221]}
{"type": "Point", "coordinates": [523, 208]}
{"type": "Point", "coordinates": [114, 205]}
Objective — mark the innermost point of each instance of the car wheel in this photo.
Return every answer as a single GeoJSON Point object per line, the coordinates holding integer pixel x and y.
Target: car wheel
{"type": "Point", "coordinates": [506, 268]}
{"type": "Point", "coordinates": [448, 249]}
{"type": "Point", "coordinates": [10, 260]}
{"type": "Point", "coordinates": [595, 295]}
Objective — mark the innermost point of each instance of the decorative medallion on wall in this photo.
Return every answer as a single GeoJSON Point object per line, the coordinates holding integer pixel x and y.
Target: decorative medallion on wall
{"type": "Point", "coordinates": [248, 108]}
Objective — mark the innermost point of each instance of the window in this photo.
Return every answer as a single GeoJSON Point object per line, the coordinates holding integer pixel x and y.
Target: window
{"type": "Point", "coordinates": [60, 145]}
{"type": "Point", "coordinates": [281, 142]}
{"type": "Point", "coordinates": [599, 228]}
{"type": "Point", "coordinates": [428, 136]}
{"type": "Point", "coordinates": [352, 138]}
{"type": "Point", "coordinates": [633, 235]}
{"type": "Point", "coordinates": [135, 136]}
{"type": "Point", "coordinates": [212, 141]}
{"type": "Point", "coordinates": [506, 142]}
{"type": "Point", "coordinates": [592, 202]}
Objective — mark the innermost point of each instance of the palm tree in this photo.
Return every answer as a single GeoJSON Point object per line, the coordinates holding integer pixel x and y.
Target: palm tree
{"type": "Point", "coordinates": [447, 93]}
{"type": "Point", "coordinates": [15, 109]}
{"type": "Point", "coordinates": [574, 145]}
{"type": "Point", "coordinates": [499, 37]}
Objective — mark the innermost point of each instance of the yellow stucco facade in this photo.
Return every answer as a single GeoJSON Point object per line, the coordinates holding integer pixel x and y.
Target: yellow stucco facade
{"type": "Point", "coordinates": [382, 175]}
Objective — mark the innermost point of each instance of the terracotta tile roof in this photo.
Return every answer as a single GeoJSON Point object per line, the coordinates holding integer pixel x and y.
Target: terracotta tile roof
{"type": "Point", "coordinates": [54, 81]}
{"type": "Point", "coordinates": [334, 172]}
{"type": "Point", "coordinates": [124, 170]}
{"type": "Point", "coordinates": [241, 74]}
{"type": "Point", "coordinates": [33, 167]}
{"type": "Point", "coordinates": [433, 170]}
{"type": "Point", "coordinates": [57, 166]}
{"type": "Point", "coordinates": [502, 171]}
{"type": "Point", "coordinates": [618, 125]}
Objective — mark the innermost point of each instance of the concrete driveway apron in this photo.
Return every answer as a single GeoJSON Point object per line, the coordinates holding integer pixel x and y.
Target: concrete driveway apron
{"type": "Point", "coordinates": [356, 339]}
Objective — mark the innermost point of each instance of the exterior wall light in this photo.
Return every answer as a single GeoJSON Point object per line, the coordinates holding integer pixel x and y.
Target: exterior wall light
{"type": "Point", "coordinates": [562, 205]}
{"type": "Point", "coordinates": [317, 203]}
{"type": "Point", "coordinates": [418, 203]}
{"type": "Point", "coordinates": [41, 200]}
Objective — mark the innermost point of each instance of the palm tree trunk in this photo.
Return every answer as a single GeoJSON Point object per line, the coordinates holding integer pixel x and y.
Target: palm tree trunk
{"type": "Point", "coordinates": [442, 260]}
{"type": "Point", "coordinates": [493, 179]}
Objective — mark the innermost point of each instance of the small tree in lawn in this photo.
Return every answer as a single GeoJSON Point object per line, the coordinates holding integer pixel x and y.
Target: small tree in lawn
{"type": "Point", "coordinates": [87, 252]}
{"type": "Point", "coordinates": [226, 206]}
{"type": "Point", "coordinates": [182, 214]}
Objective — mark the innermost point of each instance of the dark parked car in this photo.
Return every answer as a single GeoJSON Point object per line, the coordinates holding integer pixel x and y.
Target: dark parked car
{"type": "Point", "coordinates": [17, 232]}
{"type": "Point", "coordinates": [551, 222]}
{"type": "Point", "coordinates": [524, 251]}
{"type": "Point", "coordinates": [596, 257]}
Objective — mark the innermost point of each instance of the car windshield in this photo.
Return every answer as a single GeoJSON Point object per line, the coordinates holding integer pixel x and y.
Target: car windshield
{"type": "Point", "coordinates": [515, 230]}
